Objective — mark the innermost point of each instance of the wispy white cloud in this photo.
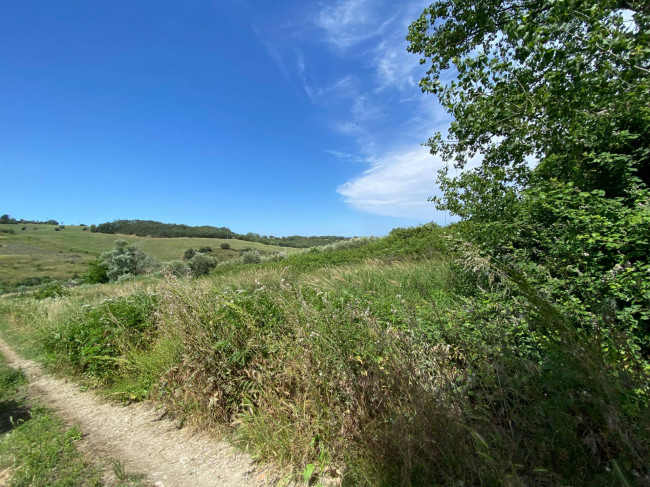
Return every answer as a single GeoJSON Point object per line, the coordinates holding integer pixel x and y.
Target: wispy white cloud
{"type": "Point", "coordinates": [368, 88]}
{"type": "Point", "coordinates": [395, 68]}
{"type": "Point", "coordinates": [397, 185]}
{"type": "Point", "coordinates": [344, 155]}
{"type": "Point", "coordinates": [350, 22]}
{"type": "Point", "coordinates": [272, 51]}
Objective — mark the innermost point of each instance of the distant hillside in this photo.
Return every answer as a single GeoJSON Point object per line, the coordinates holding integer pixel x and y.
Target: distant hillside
{"type": "Point", "coordinates": [150, 228]}
{"type": "Point", "coordinates": [31, 253]}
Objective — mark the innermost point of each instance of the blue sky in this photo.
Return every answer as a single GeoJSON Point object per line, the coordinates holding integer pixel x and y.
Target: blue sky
{"type": "Point", "coordinates": [285, 117]}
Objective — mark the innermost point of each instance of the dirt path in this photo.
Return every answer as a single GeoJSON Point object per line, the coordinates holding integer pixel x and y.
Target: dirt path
{"type": "Point", "coordinates": [137, 436]}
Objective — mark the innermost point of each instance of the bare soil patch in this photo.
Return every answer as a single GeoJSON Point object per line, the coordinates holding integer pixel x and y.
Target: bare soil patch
{"type": "Point", "coordinates": [139, 437]}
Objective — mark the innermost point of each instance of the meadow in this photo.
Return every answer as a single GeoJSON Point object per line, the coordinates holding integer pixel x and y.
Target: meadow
{"type": "Point", "coordinates": [39, 250]}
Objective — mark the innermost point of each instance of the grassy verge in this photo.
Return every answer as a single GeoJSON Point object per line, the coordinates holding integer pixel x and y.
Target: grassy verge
{"type": "Point", "coordinates": [388, 363]}
{"type": "Point", "coordinates": [37, 449]}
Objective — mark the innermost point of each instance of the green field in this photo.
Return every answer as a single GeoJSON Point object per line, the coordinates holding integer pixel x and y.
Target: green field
{"type": "Point", "coordinates": [40, 250]}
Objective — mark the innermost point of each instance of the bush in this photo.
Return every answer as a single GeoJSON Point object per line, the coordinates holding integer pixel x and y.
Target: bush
{"type": "Point", "coordinates": [126, 259]}
{"type": "Point", "coordinates": [96, 272]}
{"type": "Point", "coordinates": [52, 290]}
{"type": "Point", "coordinates": [201, 264]}
{"type": "Point", "coordinates": [205, 250]}
{"type": "Point", "coordinates": [225, 246]}
{"type": "Point", "coordinates": [251, 257]}
{"type": "Point", "coordinates": [189, 253]}
{"type": "Point", "coordinates": [177, 268]}
{"type": "Point", "coordinates": [92, 341]}
{"type": "Point", "coordinates": [125, 277]}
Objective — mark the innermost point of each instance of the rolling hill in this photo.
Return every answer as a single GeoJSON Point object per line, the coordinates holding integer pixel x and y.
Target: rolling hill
{"type": "Point", "coordinates": [35, 251]}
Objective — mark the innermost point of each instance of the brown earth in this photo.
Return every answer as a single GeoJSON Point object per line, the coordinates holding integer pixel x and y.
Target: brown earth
{"type": "Point", "coordinates": [140, 438]}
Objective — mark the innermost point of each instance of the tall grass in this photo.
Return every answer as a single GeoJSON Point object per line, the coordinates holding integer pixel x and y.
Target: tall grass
{"type": "Point", "coordinates": [389, 363]}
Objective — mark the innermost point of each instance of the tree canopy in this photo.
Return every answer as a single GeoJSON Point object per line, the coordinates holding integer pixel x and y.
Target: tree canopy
{"type": "Point", "coordinates": [551, 133]}
{"type": "Point", "coordinates": [539, 89]}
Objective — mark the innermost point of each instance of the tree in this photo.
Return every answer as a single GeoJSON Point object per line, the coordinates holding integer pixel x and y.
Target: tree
{"type": "Point", "coordinates": [125, 259]}
{"type": "Point", "coordinates": [7, 219]}
{"type": "Point", "coordinates": [561, 82]}
{"type": "Point", "coordinates": [554, 96]}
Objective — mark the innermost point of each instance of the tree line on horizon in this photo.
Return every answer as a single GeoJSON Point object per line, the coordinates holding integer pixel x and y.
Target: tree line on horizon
{"type": "Point", "coordinates": [150, 228]}
{"type": "Point", "coordinates": [8, 219]}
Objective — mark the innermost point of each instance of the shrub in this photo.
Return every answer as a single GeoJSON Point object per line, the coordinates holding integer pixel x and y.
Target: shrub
{"type": "Point", "coordinates": [251, 257]}
{"type": "Point", "coordinates": [275, 257]}
{"type": "Point", "coordinates": [51, 290]}
{"type": "Point", "coordinates": [125, 277]}
{"type": "Point", "coordinates": [205, 250]}
{"type": "Point", "coordinates": [201, 264]}
{"type": "Point", "coordinates": [93, 340]}
{"type": "Point", "coordinates": [126, 259]}
{"type": "Point", "coordinates": [177, 268]}
{"type": "Point", "coordinates": [189, 253]}
{"type": "Point", "coordinates": [96, 272]}
{"type": "Point", "coordinates": [225, 246]}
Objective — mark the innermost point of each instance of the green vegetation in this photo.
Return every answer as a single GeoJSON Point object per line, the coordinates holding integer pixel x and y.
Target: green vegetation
{"type": "Point", "coordinates": [36, 448]}
{"type": "Point", "coordinates": [126, 261]}
{"type": "Point", "coordinates": [565, 83]}
{"type": "Point", "coordinates": [406, 359]}
{"type": "Point", "coordinates": [509, 349]}
{"type": "Point", "coordinates": [40, 254]}
{"type": "Point", "coordinates": [149, 228]}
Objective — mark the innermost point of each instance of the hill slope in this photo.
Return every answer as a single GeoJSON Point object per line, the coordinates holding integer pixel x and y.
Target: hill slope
{"type": "Point", "coordinates": [42, 251]}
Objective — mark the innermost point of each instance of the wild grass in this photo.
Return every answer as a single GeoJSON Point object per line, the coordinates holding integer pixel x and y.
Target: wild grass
{"type": "Point", "coordinates": [40, 251]}
{"type": "Point", "coordinates": [387, 363]}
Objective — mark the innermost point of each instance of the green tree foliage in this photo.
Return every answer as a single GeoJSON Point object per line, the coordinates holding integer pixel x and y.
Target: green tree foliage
{"type": "Point", "coordinates": [157, 229]}
{"type": "Point", "coordinates": [7, 219]}
{"type": "Point", "coordinates": [565, 84]}
{"type": "Point", "coordinates": [202, 264]}
{"type": "Point", "coordinates": [125, 259]}
{"type": "Point", "coordinates": [96, 272]}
